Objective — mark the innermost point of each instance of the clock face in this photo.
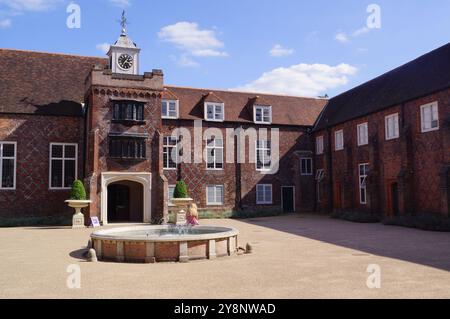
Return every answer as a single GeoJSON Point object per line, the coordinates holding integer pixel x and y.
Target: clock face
{"type": "Point", "coordinates": [125, 61]}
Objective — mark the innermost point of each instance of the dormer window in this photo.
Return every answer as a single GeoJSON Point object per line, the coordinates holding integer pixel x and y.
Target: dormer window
{"type": "Point", "coordinates": [262, 114]}
{"type": "Point", "coordinates": [170, 109]}
{"type": "Point", "coordinates": [128, 111]}
{"type": "Point", "coordinates": [214, 112]}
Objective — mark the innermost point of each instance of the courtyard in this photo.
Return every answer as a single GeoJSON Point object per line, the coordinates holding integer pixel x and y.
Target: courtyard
{"type": "Point", "coordinates": [294, 256]}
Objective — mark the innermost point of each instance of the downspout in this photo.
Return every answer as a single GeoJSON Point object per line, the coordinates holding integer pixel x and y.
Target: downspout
{"type": "Point", "coordinates": [330, 170]}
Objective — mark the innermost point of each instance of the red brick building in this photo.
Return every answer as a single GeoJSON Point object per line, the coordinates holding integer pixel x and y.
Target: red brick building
{"type": "Point", "coordinates": [65, 117]}
{"type": "Point", "coordinates": [384, 146]}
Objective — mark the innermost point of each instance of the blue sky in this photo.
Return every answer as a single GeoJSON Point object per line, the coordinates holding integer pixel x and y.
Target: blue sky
{"type": "Point", "coordinates": [285, 46]}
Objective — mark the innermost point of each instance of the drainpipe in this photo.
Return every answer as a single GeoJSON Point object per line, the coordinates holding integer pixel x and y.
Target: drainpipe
{"type": "Point", "coordinates": [330, 170]}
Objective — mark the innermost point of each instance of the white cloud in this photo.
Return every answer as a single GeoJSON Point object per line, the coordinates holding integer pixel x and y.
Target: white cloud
{"type": "Point", "coordinates": [361, 31]}
{"type": "Point", "coordinates": [193, 41]}
{"type": "Point", "coordinates": [279, 51]}
{"type": "Point", "coordinates": [121, 3]}
{"type": "Point", "coordinates": [302, 79]}
{"type": "Point", "coordinates": [104, 47]}
{"type": "Point", "coordinates": [18, 6]}
{"type": "Point", "coordinates": [342, 37]}
{"type": "Point", "coordinates": [185, 61]}
{"type": "Point", "coordinates": [5, 23]}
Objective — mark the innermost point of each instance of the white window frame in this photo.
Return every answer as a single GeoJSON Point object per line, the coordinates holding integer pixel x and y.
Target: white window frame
{"type": "Point", "coordinates": [215, 202]}
{"type": "Point", "coordinates": [339, 140]}
{"type": "Point", "coordinates": [169, 153]}
{"type": "Point", "coordinates": [264, 150]}
{"type": "Point", "coordinates": [214, 147]}
{"type": "Point", "coordinates": [168, 194]}
{"type": "Point", "coordinates": [319, 145]}
{"type": "Point", "coordinates": [396, 128]}
{"type": "Point", "coordinates": [263, 109]}
{"type": "Point", "coordinates": [1, 165]}
{"type": "Point", "coordinates": [214, 104]}
{"type": "Point", "coordinates": [434, 107]}
{"type": "Point", "coordinates": [363, 139]}
{"type": "Point", "coordinates": [63, 158]}
{"type": "Point", "coordinates": [177, 109]}
{"type": "Point", "coordinates": [307, 173]}
{"type": "Point", "coordinates": [362, 182]}
{"type": "Point", "coordinates": [265, 200]}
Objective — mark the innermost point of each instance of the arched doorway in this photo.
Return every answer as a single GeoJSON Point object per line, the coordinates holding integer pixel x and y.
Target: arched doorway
{"type": "Point", "coordinates": [125, 202]}
{"type": "Point", "coordinates": [127, 178]}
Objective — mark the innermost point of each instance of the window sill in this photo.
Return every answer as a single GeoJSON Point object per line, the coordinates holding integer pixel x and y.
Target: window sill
{"type": "Point", "coordinates": [169, 118]}
{"type": "Point", "coordinates": [127, 159]}
{"type": "Point", "coordinates": [430, 130]}
{"type": "Point", "coordinates": [129, 122]}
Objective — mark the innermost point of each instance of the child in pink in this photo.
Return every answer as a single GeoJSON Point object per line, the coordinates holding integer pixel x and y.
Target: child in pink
{"type": "Point", "coordinates": [192, 215]}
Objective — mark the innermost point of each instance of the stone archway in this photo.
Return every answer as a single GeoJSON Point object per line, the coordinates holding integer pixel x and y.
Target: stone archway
{"type": "Point", "coordinates": [109, 178]}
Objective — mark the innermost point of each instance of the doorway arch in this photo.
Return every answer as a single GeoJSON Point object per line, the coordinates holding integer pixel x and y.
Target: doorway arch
{"type": "Point", "coordinates": [127, 180]}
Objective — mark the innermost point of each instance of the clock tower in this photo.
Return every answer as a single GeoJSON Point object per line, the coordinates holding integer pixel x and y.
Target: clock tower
{"type": "Point", "coordinates": [124, 54]}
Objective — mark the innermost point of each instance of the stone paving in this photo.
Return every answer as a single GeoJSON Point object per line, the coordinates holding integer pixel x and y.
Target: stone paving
{"type": "Point", "coordinates": [294, 256]}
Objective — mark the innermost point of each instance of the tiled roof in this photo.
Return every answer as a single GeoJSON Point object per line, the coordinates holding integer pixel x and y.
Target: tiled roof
{"type": "Point", "coordinates": [43, 83]}
{"type": "Point", "coordinates": [287, 110]}
{"type": "Point", "coordinates": [53, 84]}
{"type": "Point", "coordinates": [424, 75]}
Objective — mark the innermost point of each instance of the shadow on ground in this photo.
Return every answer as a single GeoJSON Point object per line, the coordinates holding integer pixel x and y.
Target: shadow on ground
{"type": "Point", "coordinates": [412, 245]}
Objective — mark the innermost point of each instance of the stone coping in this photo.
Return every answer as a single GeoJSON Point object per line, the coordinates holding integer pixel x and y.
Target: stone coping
{"type": "Point", "coordinates": [114, 234]}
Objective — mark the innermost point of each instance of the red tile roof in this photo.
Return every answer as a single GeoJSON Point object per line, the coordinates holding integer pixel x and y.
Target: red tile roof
{"type": "Point", "coordinates": [43, 83]}
{"type": "Point", "coordinates": [287, 110]}
{"type": "Point", "coordinates": [53, 84]}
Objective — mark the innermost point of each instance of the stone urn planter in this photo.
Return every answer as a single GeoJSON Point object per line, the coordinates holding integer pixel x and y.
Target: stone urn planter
{"type": "Point", "coordinates": [182, 203]}
{"type": "Point", "coordinates": [182, 200]}
{"type": "Point", "coordinates": [78, 201]}
{"type": "Point", "coordinates": [78, 217]}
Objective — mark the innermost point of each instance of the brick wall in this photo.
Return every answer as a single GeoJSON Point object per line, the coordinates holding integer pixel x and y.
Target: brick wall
{"type": "Point", "coordinates": [417, 162]}
{"type": "Point", "coordinates": [33, 135]}
{"type": "Point", "coordinates": [240, 180]}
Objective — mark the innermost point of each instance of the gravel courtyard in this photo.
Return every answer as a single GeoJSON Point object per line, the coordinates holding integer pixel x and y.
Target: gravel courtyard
{"type": "Point", "coordinates": [294, 257]}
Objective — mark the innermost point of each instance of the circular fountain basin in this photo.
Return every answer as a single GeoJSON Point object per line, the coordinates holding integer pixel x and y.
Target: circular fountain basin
{"type": "Point", "coordinates": [149, 244]}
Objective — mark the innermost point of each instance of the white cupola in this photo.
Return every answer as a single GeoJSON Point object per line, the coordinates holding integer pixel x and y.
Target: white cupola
{"type": "Point", "coordinates": [124, 53]}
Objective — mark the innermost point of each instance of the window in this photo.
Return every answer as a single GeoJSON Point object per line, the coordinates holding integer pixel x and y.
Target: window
{"type": "Point", "coordinates": [8, 157]}
{"type": "Point", "coordinates": [320, 175]}
{"type": "Point", "coordinates": [170, 191]}
{"type": "Point", "coordinates": [319, 145]}
{"type": "Point", "coordinates": [306, 166]}
{"type": "Point", "coordinates": [214, 195]}
{"type": "Point", "coordinates": [128, 111]}
{"type": "Point", "coordinates": [429, 117]}
{"type": "Point", "coordinates": [63, 165]}
{"type": "Point", "coordinates": [169, 109]}
{"type": "Point", "coordinates": [214, 112]}
{"type": "Point", "coordinates": [339, 140]}
{"type": "Point", "coordinates": [263, 155]}
{"type": "Point", "coordinates": [170, 152]}
{"type": "Point", "coordinates": [363, 172]}
{"type": "Point", "coordinates": [363, 134]}
{"type": "Point", "coordinates": [263, 194]}
{"type": "Point", "coordinates": [262, 114]}
{"type": "Point", "coordinates": [214, 154]}
{"type": "Point", "coordinates": [127, 147]}
{"type": "Point", "coordinates": [391, 126]}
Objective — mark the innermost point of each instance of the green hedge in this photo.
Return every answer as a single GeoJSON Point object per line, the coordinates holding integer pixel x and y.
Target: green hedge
{"type": "Point", "coordinates": [181, 190]}
{"type": "Point", "coordinates": [63, 220]}
{"type": "Point", "coordinates": [77, 192]}
{"type": "Point", "coordinates": [357, 217]}
{"type": "Point", "coordinates": [431, 222]}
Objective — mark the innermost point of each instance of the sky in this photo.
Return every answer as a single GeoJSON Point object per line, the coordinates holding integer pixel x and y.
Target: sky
{"type": "Point", "coordinates": [293, 47]}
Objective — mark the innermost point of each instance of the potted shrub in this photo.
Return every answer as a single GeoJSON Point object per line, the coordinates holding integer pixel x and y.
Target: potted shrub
{"type": "Point", "coordinates": [78, 201]}
{"type": "Point", "coordinates": [181, 199]}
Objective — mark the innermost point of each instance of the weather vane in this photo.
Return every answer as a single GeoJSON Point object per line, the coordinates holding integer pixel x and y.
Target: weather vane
{"type": "Point", "coordinates": [124, 23]}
